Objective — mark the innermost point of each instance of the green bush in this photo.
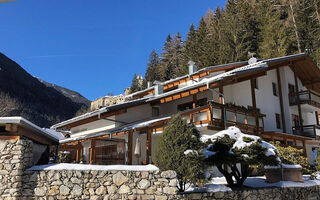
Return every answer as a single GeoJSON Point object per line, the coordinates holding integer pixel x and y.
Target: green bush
{"type": "Point", "coordinates": [178, 137]}
{"type": "Point", "coordinates": [64, 157]}
{"type": "Point", "coordinates": [293, 156]}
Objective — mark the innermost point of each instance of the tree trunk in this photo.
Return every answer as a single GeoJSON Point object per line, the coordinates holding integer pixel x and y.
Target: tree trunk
{"type": "Point", "coordinates": [295, 27]}
{"type": "Point", "coordinates": [227, 175]}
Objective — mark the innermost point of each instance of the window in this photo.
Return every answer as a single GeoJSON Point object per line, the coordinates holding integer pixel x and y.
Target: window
{"type": "Point", "coordinates": [274, 88]}
{"type": "Point", "coordinates": [185, 106]}
{"type": "Point", "coordinates": [295, 120]}
{"type": "Point", "coordinates": [155, 111]}
{"type": "Point", "coordinates": [189, 105]}
{"type": "Point", "coordinates": [255, 83]}
{"type": "Point", "coordinates": [291, 88]}
{"type": "Point", "coordinates": [278, 123]}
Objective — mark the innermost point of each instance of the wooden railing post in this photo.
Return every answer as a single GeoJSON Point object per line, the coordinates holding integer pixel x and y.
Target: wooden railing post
{"type": "Point", "coordinates": [298, 102]}
{"type": "Point", "coordinates": [149, 145]}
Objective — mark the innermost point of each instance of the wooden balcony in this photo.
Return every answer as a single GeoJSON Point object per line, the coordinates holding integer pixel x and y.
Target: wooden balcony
{"type": "Point", "coordinates": [211, 115]}
{"type": "Point", "coordinates": [311, 131]}
{"type": "Point", "coordinates": [309, 100]}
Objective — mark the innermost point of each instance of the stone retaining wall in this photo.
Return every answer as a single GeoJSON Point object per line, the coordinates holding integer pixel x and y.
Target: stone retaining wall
{"type": "Point", "coordinates": [94, 185]}
{"type": "Point", "coordinates": [18, 183]}
{"type": "Point", "coordinates": [15, 157]}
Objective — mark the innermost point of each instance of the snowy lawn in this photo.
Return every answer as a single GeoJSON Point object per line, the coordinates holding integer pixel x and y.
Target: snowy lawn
{"type": "Point", "coordinates": [219, 184]}
{"type": "Point", "coordinates": [68, 166]}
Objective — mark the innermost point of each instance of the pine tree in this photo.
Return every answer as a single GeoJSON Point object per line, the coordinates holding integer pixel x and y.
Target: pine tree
{"type": "Point", "coordinates": [153, 65]}
{"type": "Point", "coordinates": [189, 47]}
{"type": "Point", "coordinates": [176, 138]}
{"type": "Point", "coordinates": [171, 62]}
{"type": "Point", "coordinates": [203, 45]}
{"type": "Point", "coordinates": [274, 36]}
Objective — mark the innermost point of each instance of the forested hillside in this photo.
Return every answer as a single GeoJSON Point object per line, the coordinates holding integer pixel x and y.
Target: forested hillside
{"type": "Point", "coordinates": [239, 30]}
{"type": "Point", "coordinates": [24, 95]}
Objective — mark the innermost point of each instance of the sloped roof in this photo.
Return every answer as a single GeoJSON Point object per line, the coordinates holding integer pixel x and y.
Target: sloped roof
{"type": "Point", "coordinates": [100, 111]}
{"type": "Point", "coordinates": [302, 64]}
{"type": "Point", "coordinates": [29, 125]}
{"type": "Point", "coordinates": [131, 126]}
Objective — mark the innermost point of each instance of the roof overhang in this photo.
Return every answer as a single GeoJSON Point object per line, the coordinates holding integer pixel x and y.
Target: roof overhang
{"type": "Point", "coordinates": [26, 128]}
{"type": "Point", "coordinates": [98, 114]}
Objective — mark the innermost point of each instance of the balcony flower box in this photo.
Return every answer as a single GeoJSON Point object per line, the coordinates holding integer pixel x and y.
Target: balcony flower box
{"type": "Point", "coordinates": [283, 172]}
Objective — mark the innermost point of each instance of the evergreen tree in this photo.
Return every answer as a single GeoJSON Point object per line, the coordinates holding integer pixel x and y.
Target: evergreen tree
{"type": "Point", "coordinates": [189, 47]}
{"type": "Point", "coordinates": [171, 62]}
{"type": "Point", "coordinates": [153, 65]}
{"type": "Point", "coordinates": [176, 138]}
{"type": "Point", "coordinates": [203, 45]}
{"type": "Point", "coordinates": [274, 36]}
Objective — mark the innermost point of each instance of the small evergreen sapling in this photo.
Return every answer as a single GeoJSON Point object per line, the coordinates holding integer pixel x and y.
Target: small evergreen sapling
{"type": "Point", "coordinates": [231, 147]}
{"type": "Point", "coordinates": [178, 137]}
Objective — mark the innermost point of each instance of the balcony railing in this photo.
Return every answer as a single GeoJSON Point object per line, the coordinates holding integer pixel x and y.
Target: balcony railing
{"type": "Point", "coordinates": [312, 131]}
{"type": "Point", "coordinates": [249, 121]}
{"type": "Point", "coordinates": [305, 97]}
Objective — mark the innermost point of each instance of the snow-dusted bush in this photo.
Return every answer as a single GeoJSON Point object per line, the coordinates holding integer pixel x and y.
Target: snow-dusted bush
{"type": "Point", "coordinates": [230, 147]}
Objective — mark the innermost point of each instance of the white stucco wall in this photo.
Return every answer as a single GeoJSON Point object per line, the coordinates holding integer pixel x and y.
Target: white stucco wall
{"type": "Point", "coordinates": [135, 114]}
{"type": "Point", "coordinates": [238, 93]}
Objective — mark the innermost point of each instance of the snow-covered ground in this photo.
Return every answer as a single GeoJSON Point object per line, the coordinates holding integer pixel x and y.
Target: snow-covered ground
{"type": "Point", "coordinates": [68, 166]}
{"type": "Point", "coordinates": [219, 184]}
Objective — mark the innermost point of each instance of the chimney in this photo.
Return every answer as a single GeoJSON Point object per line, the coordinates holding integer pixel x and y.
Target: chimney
{"type": "Point", "coordinates": [158, 89]}
{"type": "Point", "coordinates": [192, 67]}
{"type": "Point", "coordinates": [149, 84]}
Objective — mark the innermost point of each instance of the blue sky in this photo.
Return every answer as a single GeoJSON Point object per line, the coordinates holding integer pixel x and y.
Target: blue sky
{"type": "Point", "coordinates": [92, 46]}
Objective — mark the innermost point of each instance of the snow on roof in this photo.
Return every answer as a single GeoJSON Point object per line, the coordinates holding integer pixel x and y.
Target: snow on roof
{"type": "Point", "coordinates": [205, 81]}
{"type": "Point", "coordinates": [68, 166]}
{"type": "Point", "coordinates": [99, 111]}
{"type": "Point", "coordinates": [208, 80]}
{"type": "Point", "coordinates": [28, 124]}
{"type": "Point", "coordinates": [126, 127]}
{"type": "Point", "coordinates": [54, 133]}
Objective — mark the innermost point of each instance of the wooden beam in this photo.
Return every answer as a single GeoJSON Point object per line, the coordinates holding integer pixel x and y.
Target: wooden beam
{"type": "Point", "coordinates": [281, 101]}
{"type": "Point", "coordinates": [11, 128]}
{"type": "Point", "coordinates": [92, 151]}
{"type": "Point", "coordinates": [149, 146]}
{"type": "Point", "coordinates": [11, 137]}
{"type": "Point", "coordinates": [21, 131]}
{"type": "Point", "coordinates": [298, 101]}
{"type": "Point", "coordinates": [254, 103]}
{"type": "Point", "coordinates": [194, 101]}
{"type": "Point", "coordinates": [130, 146]}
